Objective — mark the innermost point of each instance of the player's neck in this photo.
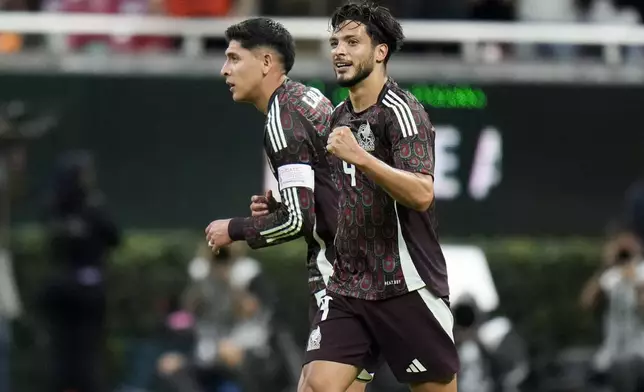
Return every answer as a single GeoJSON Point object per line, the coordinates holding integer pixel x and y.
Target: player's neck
{"type": "Point", "coordinates": [365, 94]}
{"type": "Point", "coordinates": [268, 87]}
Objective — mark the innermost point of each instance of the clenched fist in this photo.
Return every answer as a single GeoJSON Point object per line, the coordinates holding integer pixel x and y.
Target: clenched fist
{"type": "Point", "coordinates": [263, 205]}
{"type": "Point", "coordinates": [344, 145]}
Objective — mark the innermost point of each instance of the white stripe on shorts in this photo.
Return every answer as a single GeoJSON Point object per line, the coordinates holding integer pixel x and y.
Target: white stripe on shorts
{"type": "Point", "coordinates": [440, 310]}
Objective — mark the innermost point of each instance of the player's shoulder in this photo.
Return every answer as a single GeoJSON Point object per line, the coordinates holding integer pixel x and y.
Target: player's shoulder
{"type": "Point", "coordinates": [395, 97]}
{"type": "Point", "coordinates": [292, 90]}
{"type": "Point", "coordinates": [404, 111]}
{"type": "Point", "coordinates": [305, 99]}
{"type": "Point", "coordinates": [295, 91]}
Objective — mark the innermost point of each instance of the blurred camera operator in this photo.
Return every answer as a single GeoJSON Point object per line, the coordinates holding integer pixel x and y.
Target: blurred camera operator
{"type": "Point", "coordinates": [81, 236]}
{"type": "Point", "coordinates": [18, 127]}
{"type": "Point", "coordinates": [493, 356]}
{"type": "Point", "coordinates": [617, 292]}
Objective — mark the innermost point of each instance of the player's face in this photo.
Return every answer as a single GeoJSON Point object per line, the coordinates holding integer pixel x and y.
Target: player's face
{"type": "Point", "coordinates": [353, 53]}
{"type": "Point", "coordinates": [243, 72]}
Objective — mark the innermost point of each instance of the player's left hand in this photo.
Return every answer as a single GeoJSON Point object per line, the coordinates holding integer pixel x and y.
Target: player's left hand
{"type": "Point", "coordinates": [217, 235]}
{"type": "Point", "coordinates": [344, 145]}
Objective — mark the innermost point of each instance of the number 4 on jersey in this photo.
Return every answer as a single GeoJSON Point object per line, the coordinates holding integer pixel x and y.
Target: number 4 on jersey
{"type": "Point", "coordinates": [350, 170]}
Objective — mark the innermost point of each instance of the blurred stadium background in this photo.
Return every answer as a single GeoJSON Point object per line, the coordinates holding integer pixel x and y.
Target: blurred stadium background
{"type": "Point", "coordinates": [538, 108]}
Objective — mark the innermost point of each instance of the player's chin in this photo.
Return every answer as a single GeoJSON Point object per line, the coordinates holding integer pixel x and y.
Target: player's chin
{"type": "Point", "coordinates": [345, 80]}
{"type": "Point", "coordinates": [342, 76]}
{"type": "Point", "coordinates": [239, 96]}
{"type": "Point", "coordinates": [344, 73]}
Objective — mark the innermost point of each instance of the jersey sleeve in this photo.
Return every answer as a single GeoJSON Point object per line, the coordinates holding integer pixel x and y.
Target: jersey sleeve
{"type": "Point", "coordinates": [291, 153]}
{"type": "Point", "coordinates": [410, 133]}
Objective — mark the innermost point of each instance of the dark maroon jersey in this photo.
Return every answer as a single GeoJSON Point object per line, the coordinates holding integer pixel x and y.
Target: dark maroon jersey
{"type": "Point", "coordinates": [385, 249]}
{"type": "Point", "coordinates": [295, 137]}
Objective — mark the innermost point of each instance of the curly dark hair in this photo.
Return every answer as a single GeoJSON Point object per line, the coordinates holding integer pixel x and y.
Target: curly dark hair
{"type": "Point", "coordinates": [257, 32]}
{"type": "Point", "coordinates": [381, 26]}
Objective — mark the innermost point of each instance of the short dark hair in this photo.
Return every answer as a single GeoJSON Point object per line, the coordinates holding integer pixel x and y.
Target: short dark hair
{"type": "Point", "coordinates": [381, 26]}
{"type": "Point", "coordinates": [257, 32]}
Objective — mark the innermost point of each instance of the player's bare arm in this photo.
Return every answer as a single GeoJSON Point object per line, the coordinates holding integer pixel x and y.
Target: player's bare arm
{"type": "Point", "coordinates": [413, 190]}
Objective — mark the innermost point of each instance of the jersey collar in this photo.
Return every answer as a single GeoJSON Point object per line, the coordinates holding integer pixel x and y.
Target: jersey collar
{"type": "Point", "coordinates": [389, 83]}
{"type": "Point", "coordinates": [277, 91]}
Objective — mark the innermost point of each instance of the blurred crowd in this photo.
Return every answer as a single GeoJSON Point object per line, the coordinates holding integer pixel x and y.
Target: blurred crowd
{"type": "Point", "coordinates": [529, 11]}
{"type": "Point", "coordinates": [219, 335]}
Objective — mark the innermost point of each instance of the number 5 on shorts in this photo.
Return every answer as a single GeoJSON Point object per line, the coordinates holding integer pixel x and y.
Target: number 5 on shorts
{"type": "Point", "coordinates": [350, 170]}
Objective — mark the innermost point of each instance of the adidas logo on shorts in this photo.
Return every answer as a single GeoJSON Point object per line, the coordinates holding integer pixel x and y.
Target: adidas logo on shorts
{"type": "Point", "coordinates": [314, 340]}
{"type": "Point", "coordinates": [416, 367]}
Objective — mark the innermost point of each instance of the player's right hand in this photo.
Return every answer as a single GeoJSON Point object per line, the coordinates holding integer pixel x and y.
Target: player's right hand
{"type": "Point", "coordinates": [263, 204]}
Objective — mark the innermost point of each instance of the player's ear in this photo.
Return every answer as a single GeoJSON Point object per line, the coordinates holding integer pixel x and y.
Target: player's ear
{"type": "Point", "coordinates": [381, 52]}
{"type": "Point", "coordinates": [267, 62]}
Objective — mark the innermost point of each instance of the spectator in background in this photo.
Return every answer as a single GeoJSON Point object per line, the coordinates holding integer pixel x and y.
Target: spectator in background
{"type": "Point", "coordinates": [11, 42]}
{"type": "Point", "coordinates": [230, 303]}
{"type": "Point", "coordinates": [619, 286]}
{"type": "Point", "coordinates": [105, 43]}
{"type": "Point", "coordinates": [81, 236]}
{"type": "Point", "coordinates": [128, 43]}
{"type": "Point", "coordinates": [547, 11]}
{"type": "Point", "coordinates": [198, 8]}
{"type": "Point", "coordinates": [86, 42]}
{"type": "Point", "coordinates": [635, 5]}
{"type": "Point", "coordinates": [492, 10]}
{"type": "Point", "coordinates": [612, 12]}
{"type": "Point", "coordinates": [209, 9]}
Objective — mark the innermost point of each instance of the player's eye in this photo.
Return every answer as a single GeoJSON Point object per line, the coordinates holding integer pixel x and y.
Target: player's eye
{"type": "Point", "coordinates": [353, 42]}
{"type": "Point", "coordinates": [333, 44]}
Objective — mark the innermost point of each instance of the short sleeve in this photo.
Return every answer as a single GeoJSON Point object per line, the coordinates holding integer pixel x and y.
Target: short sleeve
{"type": "Point", "coordinates": [410, 133]}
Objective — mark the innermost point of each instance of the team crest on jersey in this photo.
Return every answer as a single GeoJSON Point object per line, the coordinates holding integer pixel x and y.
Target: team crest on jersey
{"type": "Point", "coordinates": [366, 139]}
{"type": "Point", "coordinates": [314, 340]}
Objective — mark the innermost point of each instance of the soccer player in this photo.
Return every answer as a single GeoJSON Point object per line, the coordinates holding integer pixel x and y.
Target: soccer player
{"type": "Point", "coordinates": [388, 294]}
{"type": "Point", "coordinates": [260, 54]}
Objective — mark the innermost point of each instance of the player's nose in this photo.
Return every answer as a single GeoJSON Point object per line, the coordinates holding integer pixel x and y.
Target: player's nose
{"type": "Point", "coordinates": [225, 71]}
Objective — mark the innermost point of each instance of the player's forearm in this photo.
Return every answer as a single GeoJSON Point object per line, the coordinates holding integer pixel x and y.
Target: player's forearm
{"type": "Point", "coordinates": [413, 190]}
{"type": "Point", "coordinates": [289, 222]}
{"type": "Point", "coordinates": [254, 230]}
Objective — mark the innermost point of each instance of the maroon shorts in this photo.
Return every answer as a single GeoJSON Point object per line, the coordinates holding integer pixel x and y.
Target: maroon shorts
{"type": "Point", "coordinates": [370, 364]}
{"type": "Point", "coordinates": [411, 332]}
